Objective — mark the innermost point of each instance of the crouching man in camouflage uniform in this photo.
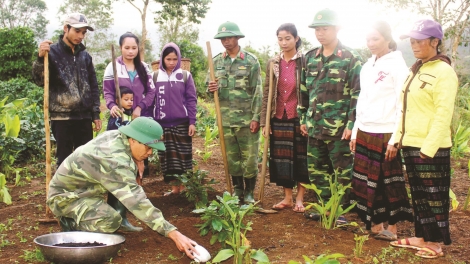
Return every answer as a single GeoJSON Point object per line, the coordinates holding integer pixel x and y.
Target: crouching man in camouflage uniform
{"type": "Point", "coordinates": [239, 83]}
{"type": "Point", "coordinates": [327, 107]}
{"type": "Point", "coordinates": [109, 163]}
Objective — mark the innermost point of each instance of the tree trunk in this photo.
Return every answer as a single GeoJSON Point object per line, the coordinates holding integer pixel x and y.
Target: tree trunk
{"type": "Point", "coordinates": [144, 31]}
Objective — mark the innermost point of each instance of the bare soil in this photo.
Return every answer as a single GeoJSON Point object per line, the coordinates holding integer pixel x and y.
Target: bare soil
{"type": "Point", "coordinates": [283, 236]}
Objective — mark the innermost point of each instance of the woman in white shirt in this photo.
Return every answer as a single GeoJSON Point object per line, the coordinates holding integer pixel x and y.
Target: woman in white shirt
{"type": "Point", "coordinates": [378, 185]}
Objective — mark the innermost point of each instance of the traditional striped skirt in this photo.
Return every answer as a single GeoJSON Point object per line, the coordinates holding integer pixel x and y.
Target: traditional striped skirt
{"type": "Point", "coordinates": [178, 156]}
{"type": "Point", "coordinates": [378, 186]}
{"type": "Point", "coordinates": [288, 153]}
{"type": "Point", "coordinates": [430, 183]}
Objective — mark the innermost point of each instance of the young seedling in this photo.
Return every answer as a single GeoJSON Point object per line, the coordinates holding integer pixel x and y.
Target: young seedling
{"type": "Point", "coordinates": [331, 210]}
{"type": "Point", "coordinates": [224, 218]}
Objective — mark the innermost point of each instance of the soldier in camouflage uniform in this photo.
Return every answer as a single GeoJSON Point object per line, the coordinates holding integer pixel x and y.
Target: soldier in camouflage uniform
{"type": "Point", "coordinates": [327, 107]}
{"type": "Point", "coordinates": [239, 83]}
{"type": "Point", "coordinates": [109, 163]}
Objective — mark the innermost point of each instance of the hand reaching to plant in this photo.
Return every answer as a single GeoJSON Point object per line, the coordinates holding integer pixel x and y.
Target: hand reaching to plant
{"type": "Point", "coordinates": [183, 243]}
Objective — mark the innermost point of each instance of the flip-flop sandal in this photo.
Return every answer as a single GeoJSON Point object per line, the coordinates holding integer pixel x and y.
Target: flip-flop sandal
{"type": "Point", "coordinates": [299, 209]}
{"type": "Point", "coordinates": [386, 235]}
{"type": "Point", "coordinates": [406, 244]}
{"type": "Point", "coordinates": [281, 206]}
{"type": "Point", "coordinates": [341, 220]}
{"type": "Point", "coordinates": [429, 253]}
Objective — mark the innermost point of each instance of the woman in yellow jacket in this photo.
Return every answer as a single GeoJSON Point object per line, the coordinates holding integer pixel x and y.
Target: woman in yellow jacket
{"type": "Point", "coordinates": [425, 138]}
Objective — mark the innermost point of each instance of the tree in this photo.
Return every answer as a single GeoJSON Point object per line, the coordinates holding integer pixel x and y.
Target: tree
{"type": "Point", "coordinates": [100, 16]}
{"type": "Point", "coordinates": [263, 56]}
{"type": "Point", "coordinates": [24, 13]}
{"type": "Point", "coordinates": [176, 30]}
{"type": "Point", "coordinates": [193, 10]}
{"type": "Point", "coordinates": [453, 15]}
{"type": "Point", "coordinates": [198, 64]}
{"type": "Point", "coordinates": [306, 45]}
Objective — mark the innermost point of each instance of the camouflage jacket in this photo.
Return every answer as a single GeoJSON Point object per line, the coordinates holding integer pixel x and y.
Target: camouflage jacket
{"type": "Point", "coordinates": [240, 90]}
{"type": "Point", "coordinates": [327, 103]}
{"type": "Point", "coordinates": [103, 164]}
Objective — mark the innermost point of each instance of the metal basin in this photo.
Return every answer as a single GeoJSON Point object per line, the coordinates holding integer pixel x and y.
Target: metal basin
{"type": "Point", "coordinates": [79, 255]}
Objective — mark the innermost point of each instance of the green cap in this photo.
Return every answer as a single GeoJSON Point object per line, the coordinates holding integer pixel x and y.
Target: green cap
{"type": "Point", "coordinates": [228, 29]}
{"type": "Point", "coordinates": [325, 17]}
{"type": "Point", "coordinates": [145, 130]}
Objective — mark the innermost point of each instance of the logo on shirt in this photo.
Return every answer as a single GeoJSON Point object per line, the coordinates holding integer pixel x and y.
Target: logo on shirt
{"type": "Point", "coordinates": [161, 90]}
{"type": "Point", "coordinates": [382, 76]}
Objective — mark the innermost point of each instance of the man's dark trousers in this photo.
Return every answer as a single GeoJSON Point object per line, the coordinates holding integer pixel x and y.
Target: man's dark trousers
{"type": "Point", "coordinates": [69, 135]}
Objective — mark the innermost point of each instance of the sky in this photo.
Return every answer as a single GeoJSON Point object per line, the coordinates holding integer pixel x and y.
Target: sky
{"type": "Point", "coordinates": [259, 20]}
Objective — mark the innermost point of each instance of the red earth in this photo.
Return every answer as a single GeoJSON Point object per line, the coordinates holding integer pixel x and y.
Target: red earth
{"type": "Point", "coordinates": [283, 236]}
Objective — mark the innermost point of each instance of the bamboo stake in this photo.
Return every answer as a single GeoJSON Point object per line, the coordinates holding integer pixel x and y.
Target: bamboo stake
{"type": "Point", "coordinates": [116, 81]}
{"type": "Point", "coordinates": [267, 128]}
{"type": "Point", "coordinates": [219, 117]}
{"type": "Point", "coordinates": [49, 217]}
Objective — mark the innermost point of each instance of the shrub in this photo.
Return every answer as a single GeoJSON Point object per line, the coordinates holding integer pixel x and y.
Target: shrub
{"type": "Point", "coordinates": [17, 88]}
{"type": "Point", "coordinates": [16, 55]}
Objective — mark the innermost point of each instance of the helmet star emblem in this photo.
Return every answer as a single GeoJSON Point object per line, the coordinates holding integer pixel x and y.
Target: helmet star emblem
{"type": "Point", "coordinates": [223, 29]}
{"type": "Point", "coordinates": [319, 16]}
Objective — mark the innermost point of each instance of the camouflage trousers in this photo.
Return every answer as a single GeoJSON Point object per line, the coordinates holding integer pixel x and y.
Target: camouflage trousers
{"type": "Point", "coordinates": [242, 151]}
{"type": "Point", "coordinates": [326, 158]}
{"type": "Point", "coordinates": [91, 214]}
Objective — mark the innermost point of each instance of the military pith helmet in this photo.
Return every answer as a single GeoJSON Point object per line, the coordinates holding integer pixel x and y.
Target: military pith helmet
{"type": "Point", "coordinates": [228, 29]}
{"type": "Point", "coordinates": [325, 17]}
{"type": "Point", "coordinates": [145, 130]}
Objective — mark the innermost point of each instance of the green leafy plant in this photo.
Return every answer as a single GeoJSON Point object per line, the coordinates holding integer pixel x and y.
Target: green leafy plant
{"type": "Point", "coordinates": [453, 200]}
{"type": "Point", "coordinates": [209, 137]}
{"type": "Point", "coordinates": [33, 255]}
{"type": "Point", "coordinates": [5, 242]}
{"type": "Point", "coordinates": [18, 46]}
{"type": "Point", "coordinates": [224, 219]}
{"type": "Point", "coordinates": [4, 194]}
{"type": "Point", "coordinates": [205, 115]}
{"type": "Point", "coordinates": [321, 259]}
{"type": "Point", "coordinates": [460, 141]}
{"type": "Point", "coordinates": [330, 211]}
{"type": "Point", "coordinates": [360, 240]}
{"type": "Point", "coordinates": [197, 186]}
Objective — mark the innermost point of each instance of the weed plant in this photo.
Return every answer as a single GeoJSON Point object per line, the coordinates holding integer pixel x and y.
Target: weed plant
{"type": "Point", "coordinates": [34, 255]}
{"type": "Point", "coordinates": [321, 259]}
{"type": "Point", "coordinates": [360, 240]}
{"type": "Point", "coordinates": [224, 218]}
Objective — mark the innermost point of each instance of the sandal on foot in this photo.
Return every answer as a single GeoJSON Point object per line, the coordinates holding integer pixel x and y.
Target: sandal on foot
{"type": "Point", "coordinates": [404, 243]}
{"type": "Point", "coordinates": [281, 206]}
{"type": "Point", "coordinates": [299, 208]}
{"type": "Point", "coordinates": [312, 216]}
{"type": "Point", "coordinates": [429, 253]}
{"type": "Point", "coordinates": [386, 235]}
